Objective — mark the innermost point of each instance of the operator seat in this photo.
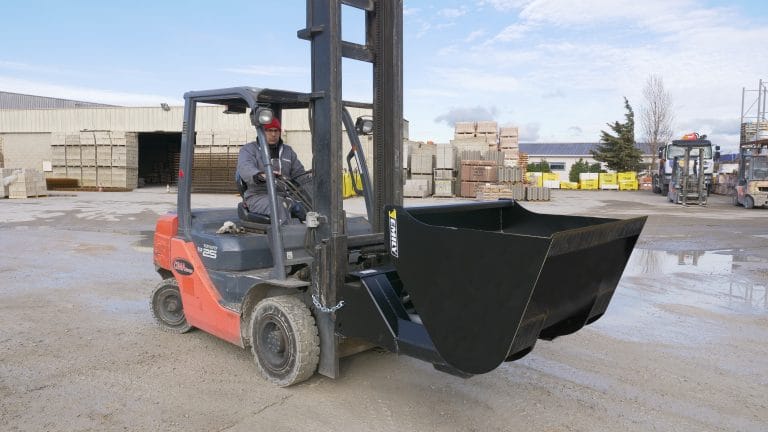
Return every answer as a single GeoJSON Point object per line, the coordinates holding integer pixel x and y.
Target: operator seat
{"type": "Point", "coordinates": [249, 219]}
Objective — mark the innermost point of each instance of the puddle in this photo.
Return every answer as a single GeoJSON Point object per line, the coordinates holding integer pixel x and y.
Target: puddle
{"type": "Point", "coordinates": [146, 242]}
{"type": "Point", "coordinates": [685, 297]}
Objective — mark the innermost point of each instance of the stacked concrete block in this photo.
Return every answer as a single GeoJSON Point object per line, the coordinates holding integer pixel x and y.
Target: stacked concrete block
{"type": "Point", "coordinates": [422, 163]}
{"type": "Point", "coordinates": [537, 193]}
{"type": "Point", "coordinates": [493, 192]}
{"type": "Point", "coordinates": [446, 157]}
{"type": "Point", "coordinates": [29, 183]}
{"type": "Point", "coordinates": [510, 174]}
{"type": "Point", "coordinates": [90, 157]}
{"type": "Point", "coordinates": [489, 131]}
{"type": "Point", "coordinates": [509, 142]}
{"type": "Point", "coordinates": [474, 173]}
{"type": "Point", "coordinates": [470, 144]}
{"type": "Point", "coordinates": [417, 188]}
{"type": "Point", "coordinates": [464, 130]}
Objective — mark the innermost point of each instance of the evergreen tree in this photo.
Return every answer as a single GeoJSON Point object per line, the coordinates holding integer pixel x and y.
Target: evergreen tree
{"type": "Point", "coordinates": [542, 166]}
{"type": "Point", "coordinates": [619, 151]}
{"type": "Point", "coordinates": [577, 168]}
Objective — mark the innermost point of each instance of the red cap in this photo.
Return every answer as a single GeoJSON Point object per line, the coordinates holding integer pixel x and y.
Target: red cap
{"type": "Point", "coordinates": [274, 124]}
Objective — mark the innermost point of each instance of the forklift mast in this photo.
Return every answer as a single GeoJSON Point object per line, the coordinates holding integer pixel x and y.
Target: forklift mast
{"type": "Point", "coordinates": [384, 50]}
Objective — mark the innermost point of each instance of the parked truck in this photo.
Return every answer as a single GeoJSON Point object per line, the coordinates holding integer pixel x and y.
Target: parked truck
{"type": "Point", "coordinates": [676, 149]}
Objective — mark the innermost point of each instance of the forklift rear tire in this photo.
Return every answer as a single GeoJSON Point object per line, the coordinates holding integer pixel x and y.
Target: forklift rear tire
{"type": "Point", "coordinates": [167, 308]}
{"type": "Point", "coordinates": [284, 340]}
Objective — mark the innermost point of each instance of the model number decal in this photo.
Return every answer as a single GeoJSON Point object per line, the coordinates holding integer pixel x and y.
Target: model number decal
{"type": "Point", "coordinates": [393, 233]}
{"type": "Point", "coordinates": [208, 251]}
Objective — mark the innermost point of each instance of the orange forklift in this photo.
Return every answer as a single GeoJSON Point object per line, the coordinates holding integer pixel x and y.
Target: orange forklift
{"type": "Point", "coordinates": [463, 286]}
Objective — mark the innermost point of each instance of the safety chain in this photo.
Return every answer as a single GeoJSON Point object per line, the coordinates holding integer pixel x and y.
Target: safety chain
{"type": "Point", "coordinates": [321, 308]}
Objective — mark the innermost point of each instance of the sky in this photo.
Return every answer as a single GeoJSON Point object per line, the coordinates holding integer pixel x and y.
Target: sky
{"type": "Point", "coordinates": [557, 69]}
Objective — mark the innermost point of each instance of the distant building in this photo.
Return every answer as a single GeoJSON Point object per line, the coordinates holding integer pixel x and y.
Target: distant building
{"type": "Point", "coordinates": [562, 156]}
{"type": "Point", "coordinates": [10, 100]}
{"type": "Point", "coordinates": [98, 143]}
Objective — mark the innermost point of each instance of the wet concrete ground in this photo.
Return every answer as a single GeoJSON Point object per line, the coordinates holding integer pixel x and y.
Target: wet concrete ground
{"type": "Point", "coordinates": [683, 345]}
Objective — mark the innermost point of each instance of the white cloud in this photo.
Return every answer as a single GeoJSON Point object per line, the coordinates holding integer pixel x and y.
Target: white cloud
{"type": "Point", "coordinates": [475, 35]}
{"type": "Point", "coordinates": [505, 5]}
{"type": "Point", "coordinates": [513, 32]}
{"type": "Point", "coordinates": [452, 13]}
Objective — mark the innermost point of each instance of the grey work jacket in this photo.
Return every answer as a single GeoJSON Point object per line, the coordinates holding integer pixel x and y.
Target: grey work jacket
{"type": "Point", "coordinates": [249, 165]}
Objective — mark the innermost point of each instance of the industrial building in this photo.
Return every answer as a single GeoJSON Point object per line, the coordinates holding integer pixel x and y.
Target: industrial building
{"type": "Point", "coordinates": [127, 147]}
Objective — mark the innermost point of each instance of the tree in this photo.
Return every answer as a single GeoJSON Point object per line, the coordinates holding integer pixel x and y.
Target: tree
{"type": "Point", "coordinates": [542, 166]}
{"type": "Point", "coordinates": [619, 151]}
{"type": "Point", "coordinates": [582, 166]}
{"type": "Point", "coordinates": [657, 117]}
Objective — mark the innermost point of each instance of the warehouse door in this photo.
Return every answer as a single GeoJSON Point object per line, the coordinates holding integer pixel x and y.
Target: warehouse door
{"type": "Point", "coordinates": [159, 154]}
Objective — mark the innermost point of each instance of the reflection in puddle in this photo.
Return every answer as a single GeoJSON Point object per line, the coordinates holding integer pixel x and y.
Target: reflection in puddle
{"type": "Point", "coordinates": [682, 297]}
{"type": "Point", "coordinates": [734, 281]}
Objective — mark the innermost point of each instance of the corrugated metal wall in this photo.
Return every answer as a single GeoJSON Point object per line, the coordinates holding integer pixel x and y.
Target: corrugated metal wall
{"type": "Point", "coordinates": [138, 119]}
{"type": "Point", "coordinates": [34, 127]}
{"type": "Point", "coordinates": [22, 101]}
{"type": "Point", "coordinates": [27, 150]}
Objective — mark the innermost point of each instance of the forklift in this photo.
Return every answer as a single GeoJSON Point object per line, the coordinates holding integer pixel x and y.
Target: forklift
{"type": "Point", "coordinates": [752, 188]}
{"type": "Point", "coordinates": [687, 183]}
{"type": "Point", "coordinates": [463, 286]}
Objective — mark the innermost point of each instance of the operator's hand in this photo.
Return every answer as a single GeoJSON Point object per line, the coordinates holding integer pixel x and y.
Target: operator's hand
{"type": "Point", "coordinates": [260, 177]}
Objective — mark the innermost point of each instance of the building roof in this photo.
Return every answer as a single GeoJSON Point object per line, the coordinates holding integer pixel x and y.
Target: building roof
{"type": "Point", "coordinates": [10, 100]}
{"type": "Point", "coordinates": [565, 149]}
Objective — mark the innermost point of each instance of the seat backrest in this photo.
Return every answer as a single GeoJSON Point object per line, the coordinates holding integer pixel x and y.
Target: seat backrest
{"type": "Point", "coordinates": [241, 185]}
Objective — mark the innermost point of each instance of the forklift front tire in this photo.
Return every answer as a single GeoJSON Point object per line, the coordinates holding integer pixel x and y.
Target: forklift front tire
{"type": "Point", "coordinates": [167, 308]}
{"type": "Point", "coordinates": [284, 340]}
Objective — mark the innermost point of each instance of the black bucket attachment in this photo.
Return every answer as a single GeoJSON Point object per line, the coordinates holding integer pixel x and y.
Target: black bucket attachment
{"type": "Point", "coordinates": [489, 279]}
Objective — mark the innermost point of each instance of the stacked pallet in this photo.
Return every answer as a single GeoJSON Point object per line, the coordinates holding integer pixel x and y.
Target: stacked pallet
{"type": "Point", "coordinates": [96, 158]}
{"type": "Point", "coordinates": [753, 131]}
{"type": "Point", "coordinates": [627, 180]}
{"type": "Point", "coordinates": [493, 192]}
{"type": "Point", "coordinates": [608, 181]}
{"type": "Point", "coordinates": [475, 173]}
{"type": "Point", "coordinates": [417, 188]}
{"type": "Point", "coordinates": [588, 181]}
{"type": "Point", "coordinates": [446, 162]}
{"type": "Point", "coordinates": [422, 166]}
{"type": "Point", "coordinates": [509, 143]}
{"type": "Point", "coordinates": [510, 174]}
{"type": "Point", "coordinates": [537, 193]}
{"type": "Point", "coordinates": [214, 162]}
{"type": "Point", "coordinates": [464, 130]}
{"type": "Point", "coordinates": [29, 183]}
{"type": "Point", "coordinates": [489, 131]}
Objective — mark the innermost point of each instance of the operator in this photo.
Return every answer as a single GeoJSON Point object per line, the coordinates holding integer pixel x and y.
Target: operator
{"type": "Point", "coordinates": [285, 164]}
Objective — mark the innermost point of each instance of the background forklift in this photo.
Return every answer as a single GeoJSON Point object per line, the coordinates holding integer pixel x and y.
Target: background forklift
{"type": "Point", "coordinates": [752, 188]}
{"type": "Point", "coordinates": [464, 287]}
{"type": "Point", "coordinates": [687, 183]}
